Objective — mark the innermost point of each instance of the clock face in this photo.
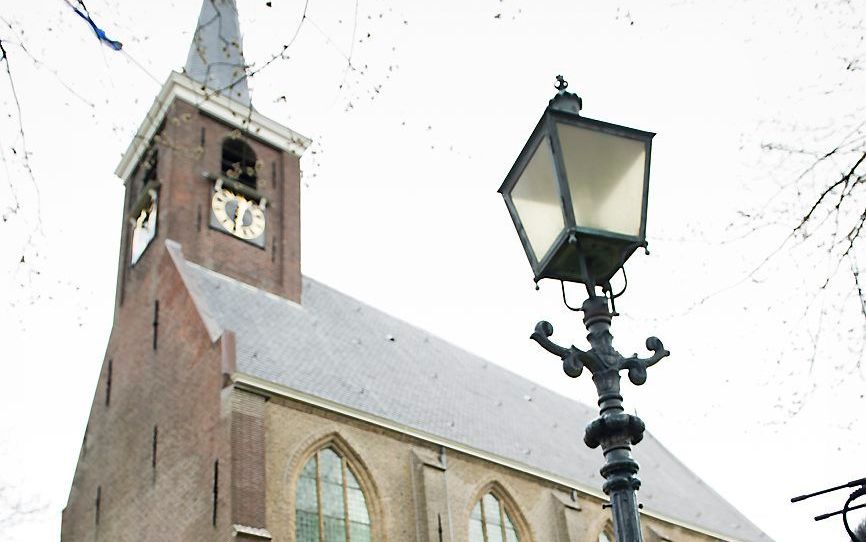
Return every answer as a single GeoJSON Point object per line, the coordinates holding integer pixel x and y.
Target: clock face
{"type": "Point", "coordinates": [242, 217]}
{"type": "Point", "coordinates": [144, 228]}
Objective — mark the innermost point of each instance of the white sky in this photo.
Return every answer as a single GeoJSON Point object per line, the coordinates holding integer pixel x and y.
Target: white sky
{"type": "Point", "coordinates": [761, 396]}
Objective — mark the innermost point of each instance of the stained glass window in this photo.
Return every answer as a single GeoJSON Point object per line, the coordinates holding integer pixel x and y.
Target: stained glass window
{"type": "Point", "coordinates": [490, 522]}
{"type": "Point", "coordinates": [330, 505]}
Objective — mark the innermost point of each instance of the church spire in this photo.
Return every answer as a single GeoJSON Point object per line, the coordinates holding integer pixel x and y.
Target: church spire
{"type": "Point", "coordinates": [216, 56]}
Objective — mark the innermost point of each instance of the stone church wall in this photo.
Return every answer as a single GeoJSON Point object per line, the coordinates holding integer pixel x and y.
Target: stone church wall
{"type": "Point", "coordinates": [411, 485]}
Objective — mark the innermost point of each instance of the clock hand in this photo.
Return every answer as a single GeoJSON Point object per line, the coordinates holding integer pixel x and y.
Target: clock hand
{"type": "Point", "coordinates": [140, 220]}
{"type": "Point", "coordinates": [240, 211]}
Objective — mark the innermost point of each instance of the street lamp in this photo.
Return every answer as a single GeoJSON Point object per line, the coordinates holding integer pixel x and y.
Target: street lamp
{"type": "Point", "coordinates": [577, 195]}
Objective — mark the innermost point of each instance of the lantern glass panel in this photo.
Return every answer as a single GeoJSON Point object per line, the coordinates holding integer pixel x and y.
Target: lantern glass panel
{"type": "Point", "coordinates": [537, 200]}
{"type": "Point", "coordinates": [605, 177]}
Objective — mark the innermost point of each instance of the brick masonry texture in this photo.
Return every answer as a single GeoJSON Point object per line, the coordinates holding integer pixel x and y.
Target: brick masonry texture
{"type": "Point", "coordinates": [177, 388]}
{"type": "Point", "coordinates": [248, 459]}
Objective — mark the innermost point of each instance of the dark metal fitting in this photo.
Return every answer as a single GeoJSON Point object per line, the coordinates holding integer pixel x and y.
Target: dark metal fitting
{"type": "Point", "coordinates": [606, 427]}
{"type": "Point", "coordinates": [610, 397]}
{"type": "Point", "coordinates": [611, 425]}
{"type": "Point", "coordinates": [635, 428]}
{"type": "Point", "coordinates": [593, 433]}
{"type": "Point", "coordinates": [620, 483]}
{"type": "Point", "coordinates": [595, 309]}
{"type": "Point", "coordinates": [606, 505]}
{"type": "Point", "coordinates": [625, 468]}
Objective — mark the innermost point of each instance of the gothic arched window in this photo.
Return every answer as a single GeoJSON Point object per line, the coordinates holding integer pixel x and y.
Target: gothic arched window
{"type": "Point", "coordinates": [239, 161]}
{"type": "Point", "coordinates": [330, 505]}
{"type": "Point", "coordinates": [490, 522]}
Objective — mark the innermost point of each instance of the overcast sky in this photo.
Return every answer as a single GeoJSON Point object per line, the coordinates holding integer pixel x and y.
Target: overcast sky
{"type": "Point", "coordinates": [763, 393]}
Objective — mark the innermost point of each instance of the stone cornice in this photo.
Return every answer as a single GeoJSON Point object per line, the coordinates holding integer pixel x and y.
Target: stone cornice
{"type": "Point", "coordinates": [244, 118]}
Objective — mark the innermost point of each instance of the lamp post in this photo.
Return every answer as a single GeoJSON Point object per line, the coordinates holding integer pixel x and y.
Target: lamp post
{"type": "Point", "coordinates": [577, 195]}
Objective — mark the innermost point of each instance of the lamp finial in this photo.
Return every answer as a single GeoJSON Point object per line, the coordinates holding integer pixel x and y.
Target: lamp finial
{"type": "Point", "coordinates": [565, 100]}
{"type": "Point", "coordinates": [561, 83]}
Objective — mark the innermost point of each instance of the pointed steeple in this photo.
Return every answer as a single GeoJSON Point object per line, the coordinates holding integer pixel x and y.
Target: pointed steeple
{"type": "Point", "coordinates": [216, 55]}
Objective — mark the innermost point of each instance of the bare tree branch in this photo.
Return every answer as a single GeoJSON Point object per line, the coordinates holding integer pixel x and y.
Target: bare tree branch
{"type": "Point", "coordinates": [843, 181]}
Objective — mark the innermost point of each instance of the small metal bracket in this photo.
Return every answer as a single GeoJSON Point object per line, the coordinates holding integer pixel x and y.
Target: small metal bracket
{"type": "Point", "coordinates": [565, 301]}
{"type": "Point", "coordinates": [606, 505]}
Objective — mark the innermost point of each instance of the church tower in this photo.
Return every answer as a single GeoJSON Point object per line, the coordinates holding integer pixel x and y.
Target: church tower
{"type": "Point", "coordinates": [172, 450]}
{"type": "Point", "coordinates": [210, 172]}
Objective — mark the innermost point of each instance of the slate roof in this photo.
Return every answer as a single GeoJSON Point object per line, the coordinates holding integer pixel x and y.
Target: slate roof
{"type": "Point", "coordinates": [216, 55]}
{"type": "Point", "coordinates": [341, 350]}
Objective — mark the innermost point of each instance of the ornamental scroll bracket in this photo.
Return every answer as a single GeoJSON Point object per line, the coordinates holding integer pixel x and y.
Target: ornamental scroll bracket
{"type": "Point", "coordinates": [600, 357]}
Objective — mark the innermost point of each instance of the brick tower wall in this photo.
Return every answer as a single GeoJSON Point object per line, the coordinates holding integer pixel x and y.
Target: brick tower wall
{"type": "Point", "coordinates": [175, 388]}
{"type": "Point", "coordinates": [190, 145]}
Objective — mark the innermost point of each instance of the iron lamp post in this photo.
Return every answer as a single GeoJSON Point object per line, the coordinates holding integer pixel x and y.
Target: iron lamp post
{"type": "Point", "coordinates": [577, 195]}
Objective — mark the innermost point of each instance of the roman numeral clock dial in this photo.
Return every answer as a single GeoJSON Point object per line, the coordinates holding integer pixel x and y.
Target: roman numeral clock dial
{"type": "Point", "coordinates": [238, 215]}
